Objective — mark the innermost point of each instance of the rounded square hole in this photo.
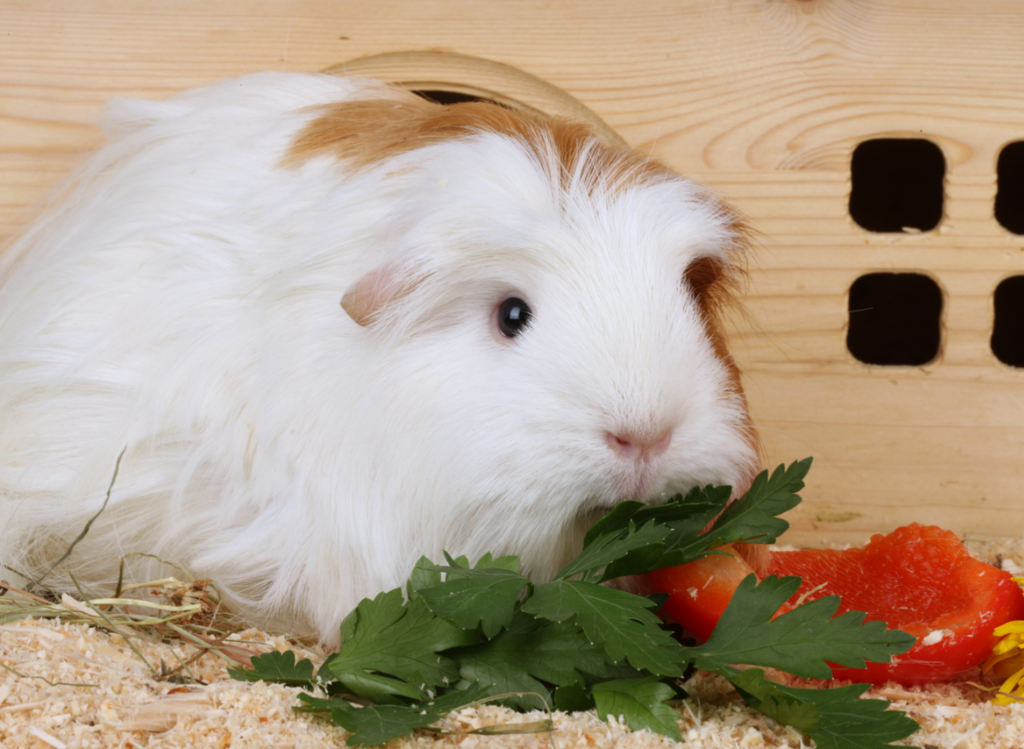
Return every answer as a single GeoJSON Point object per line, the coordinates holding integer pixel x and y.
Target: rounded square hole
{"type": "Point", "coordinates": [897, 184]}
{"type": "Point", "coordinates": [1010, 191]}
{"type": "Point", "coordinates": [895, 319]}
{"type": "Point", "coordinates": [1008, 325]}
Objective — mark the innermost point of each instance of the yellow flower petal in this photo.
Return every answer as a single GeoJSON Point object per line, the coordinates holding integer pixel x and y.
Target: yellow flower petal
{"type": "Point", "coordinates": [1008, 689]}
{"type": "Point", "coordinates": [1007, 699]}
{"type": "Point", "coordinates": [1009, 628]}
{"type": "Point", "coordinates": [1007, 644]}
{"type": "Point", "coordinates": [995, 659]}
{"type": "Point", "coordinates": [1008, 666]}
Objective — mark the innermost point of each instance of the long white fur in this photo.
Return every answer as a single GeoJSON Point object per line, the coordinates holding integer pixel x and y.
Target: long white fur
{"type": "Point", "coordinates": [183, 302]}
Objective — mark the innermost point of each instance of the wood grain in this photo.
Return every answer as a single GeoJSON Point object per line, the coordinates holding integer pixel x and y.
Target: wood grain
{"type": "Point", "coordinates": [765, 100]}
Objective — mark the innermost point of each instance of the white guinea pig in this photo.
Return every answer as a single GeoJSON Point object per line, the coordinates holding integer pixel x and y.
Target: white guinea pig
{"type": "Point", "coordinates": [335, 327]}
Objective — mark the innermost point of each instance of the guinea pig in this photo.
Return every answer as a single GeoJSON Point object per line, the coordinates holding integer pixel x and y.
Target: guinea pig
{"type": "Point", "coordinates": [334, 327]}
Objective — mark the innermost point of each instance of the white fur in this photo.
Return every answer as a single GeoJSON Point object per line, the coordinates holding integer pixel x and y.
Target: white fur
{"type": "Point", "coordinates": [183, 303]}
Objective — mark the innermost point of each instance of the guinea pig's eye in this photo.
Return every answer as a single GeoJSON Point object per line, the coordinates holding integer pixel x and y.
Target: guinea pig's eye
{"type": "Point", "coordinates": [513, 316]}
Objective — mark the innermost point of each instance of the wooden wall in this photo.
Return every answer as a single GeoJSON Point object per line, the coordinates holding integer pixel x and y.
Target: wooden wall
{"type": "Point", "coordinates": [763, 99]}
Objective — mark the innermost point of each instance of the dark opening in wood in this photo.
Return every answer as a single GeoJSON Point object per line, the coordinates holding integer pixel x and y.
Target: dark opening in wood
{"type": "Point", "coordinates": [895, 319]}
{"type": "Point", "coordinates": [1010, 191]}
{"type": "Point", "coordinates": [1008, 325]}
{"type": "Point", "coordinates": [897, 185]}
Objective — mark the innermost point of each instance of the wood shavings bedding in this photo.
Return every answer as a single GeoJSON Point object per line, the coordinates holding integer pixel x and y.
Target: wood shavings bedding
{"type": "Point", "coordinates": [83, 688]}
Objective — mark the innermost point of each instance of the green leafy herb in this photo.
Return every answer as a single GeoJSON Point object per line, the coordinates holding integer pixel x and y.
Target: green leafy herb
{"type": "Point", "coordinates": [484, 595]}
{"type": "Point", "coordinates": [643, 700]}
{"type": "Point", "coordinates": [377, 724]}
{"type": "Point", "coordinates": [834, 718]}
{"type": "Point", "coordinates": [530, 655]}
{"type": "Point", "coordinates": [281, 668]}
{"type": "Point", "coordinates": [622, 623]}
{"type": "Point", "coordinates": [466, 633]}
{"type": "Point", "coordinates": [402, 640]}
{"type": "Point", "coordinates": [798, 642]}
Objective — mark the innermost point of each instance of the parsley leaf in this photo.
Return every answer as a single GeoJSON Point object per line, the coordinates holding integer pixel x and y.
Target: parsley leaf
{"type": "Point", "coordinates": [798, 642]}
{"type": "Point", "coordinates": [390, 636]}
{"type": "Point", "coordinates": [424, 575]}
{"type": "Point", "coordinates": [835, 718]}
{"type": "Point", "coordinates": [532, 651]}
{"type": "Point", "coordinates": [483, 595]}
{"type": "Point", "coordinates": [281, 668]}
{"type": "Point", "coordinates": [610, 548]}
{"type": "Point", "coordinates": [751, 519]}
{"type": "Point", "coordinates": [643, 701]}
{"type": "Point", "coordinates": [377, 724]}
{"type": "Point", "coordinates": [621, 622]}
{"type": "Point", "coordinates": [754, 519]}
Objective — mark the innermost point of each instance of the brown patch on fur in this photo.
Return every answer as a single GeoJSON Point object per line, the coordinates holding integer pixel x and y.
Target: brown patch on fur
{"type": "Point", "coordinates": [715, 283]}
{"type": "Point", "coordinates": [369, 132]}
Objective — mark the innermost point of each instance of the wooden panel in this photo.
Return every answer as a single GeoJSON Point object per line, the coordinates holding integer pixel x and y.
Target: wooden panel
{"type": "Point", "coordinates": [763, 99]}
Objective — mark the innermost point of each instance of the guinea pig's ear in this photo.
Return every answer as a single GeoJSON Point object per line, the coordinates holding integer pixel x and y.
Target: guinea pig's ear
{"type": "Point", "coordinates": [372, 293]}
{"type": "Point", "coordinates": [711, 280]}
{"type": "Point", "coordinates": [715, 280]}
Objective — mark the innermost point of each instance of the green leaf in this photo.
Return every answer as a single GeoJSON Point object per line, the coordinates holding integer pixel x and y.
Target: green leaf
{"type": "Point", "coordinates": [384, 690]}
{"type": "Point", "coordinates": [803, 716]}
{"type": "Point", "coordinates": [424, 575]}
{"type": "Point", "coordinates": [754, 517]}
{"type": "Point", "coordinates": [280, 668]}
{"type": "Point", "coordinates": [402, 640]}
{"type": "Point", "coordinates": [573, 698]}
{"type": "Point", "coordinates": [689, 515]}
{"type": "Point", "coordinates": [517, 689]}
{"type": "Point", "coordinates": [798, 642]}
{"type": "Point", "coordinates": [510, 563]}
{"type": "Point", "coordinates": [485, 595]}
{"type": "Point", "coordinates": [530, 651]}
{"type": "Point", "coordinates": [376, 725]}
{"type": "Point", "coordinates": [686, 517]}
{"type": "Point", "coordinates": [850, 723]}
{"type": "Point", "coordinates": [750, 518]}
{"type": "Point", "coordinates": [637, 562]}
{"type": "Point", "coordinates": [834, 718]}
{"type": "Point", "coordinates": [607, 549]}
{"type": "Point", "coordinates": [769, 698]}
{"type": "Point", "coordinates": [641, 702]}
{"type": "Point", "coordinates": [314, 704]}
{"type": "Point", "coordinates": [622, 623]}
{"type": "Point", "coordinates": [618, 519]}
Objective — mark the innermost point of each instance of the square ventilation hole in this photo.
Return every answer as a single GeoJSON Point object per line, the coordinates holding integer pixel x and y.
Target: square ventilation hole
{"type": "Point", "coordinates": [895, 319]}
{"type": "Point", "coordinates": [1008, 326]}
{"type": "Point", "coordinates": [1010, 192]}
{"type": "Point", "coordinates": [897, 184]}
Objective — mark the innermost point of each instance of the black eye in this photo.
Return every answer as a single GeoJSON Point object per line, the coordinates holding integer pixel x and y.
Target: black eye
{"type": "Point", "coordinates": [513, 316]}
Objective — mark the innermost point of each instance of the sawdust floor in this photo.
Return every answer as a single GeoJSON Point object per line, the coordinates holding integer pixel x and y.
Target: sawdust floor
{"type": "Point", "coordinates": [76, 687]}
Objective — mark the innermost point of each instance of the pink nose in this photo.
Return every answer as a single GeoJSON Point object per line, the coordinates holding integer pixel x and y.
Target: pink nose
{"type": "Point", "coordinates": [639, 446]}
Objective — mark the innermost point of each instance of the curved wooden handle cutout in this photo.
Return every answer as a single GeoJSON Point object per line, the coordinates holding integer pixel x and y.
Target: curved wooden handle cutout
{"type": "Point", "coordinates": [476, 76]}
